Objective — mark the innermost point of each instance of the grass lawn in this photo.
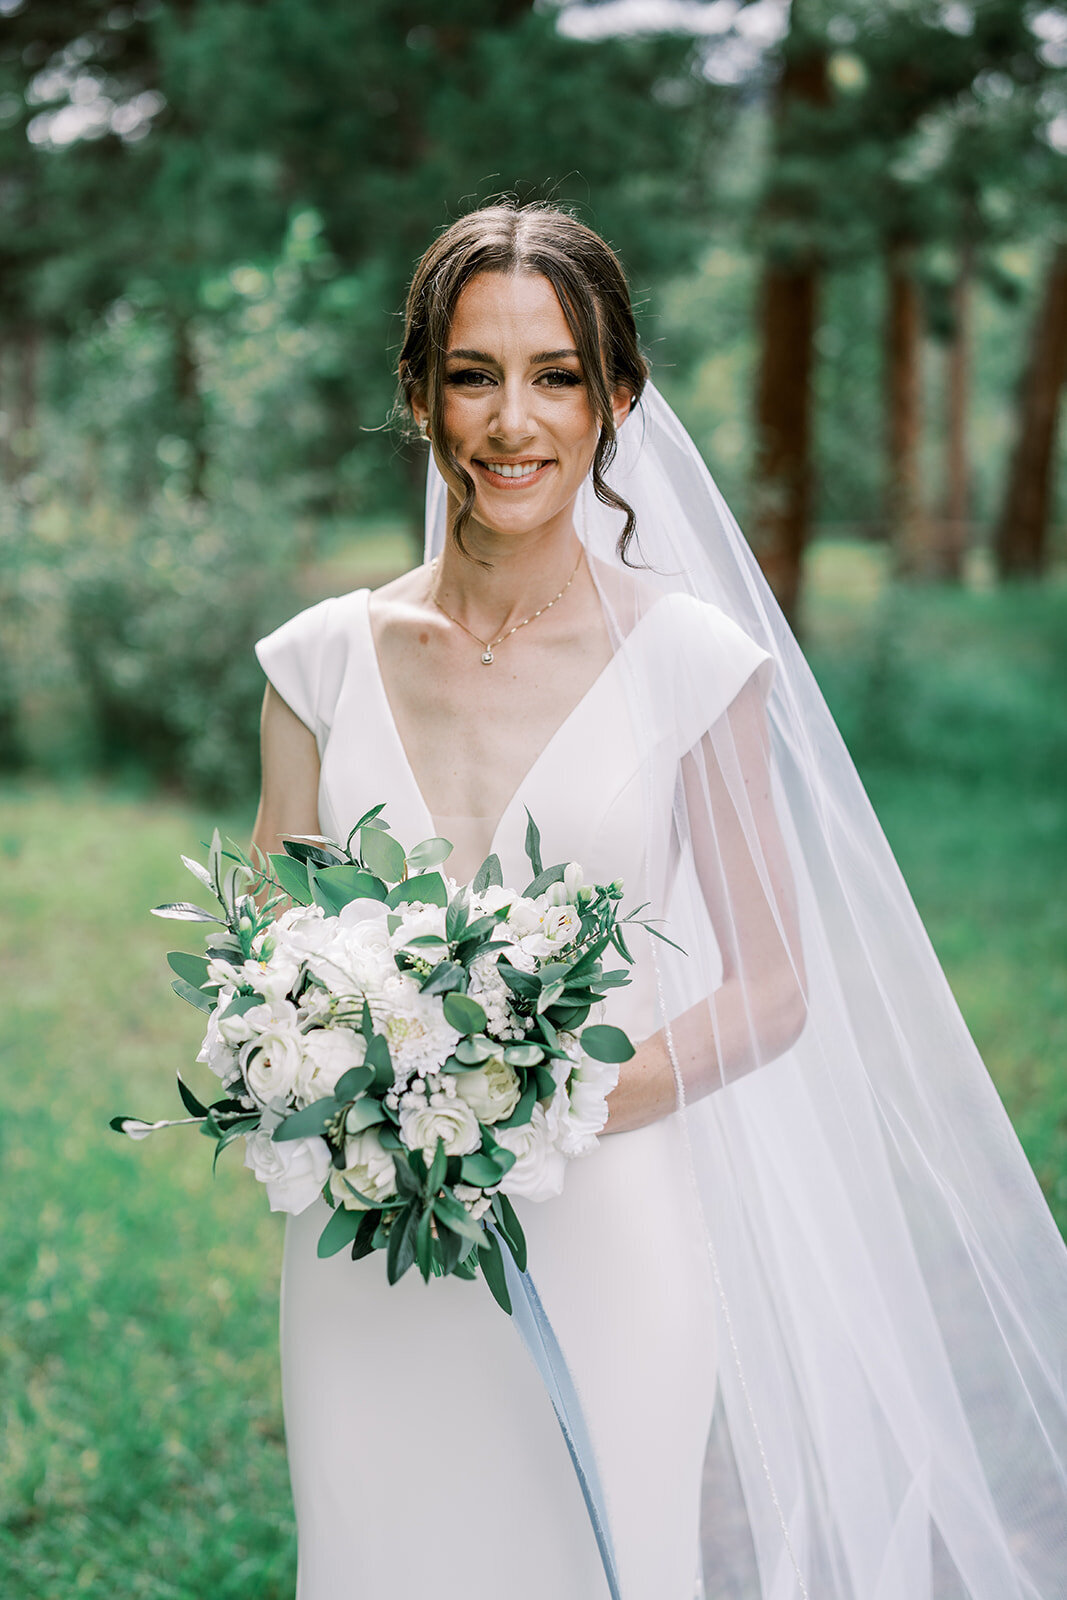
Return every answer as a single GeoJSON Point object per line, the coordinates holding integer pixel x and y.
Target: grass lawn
{"type": "Point", "coordinates": [143, 1449]}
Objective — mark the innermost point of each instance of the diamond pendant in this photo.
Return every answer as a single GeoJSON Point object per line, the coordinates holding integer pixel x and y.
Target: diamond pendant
{"type": "Point", "coordinates": [487, 658]}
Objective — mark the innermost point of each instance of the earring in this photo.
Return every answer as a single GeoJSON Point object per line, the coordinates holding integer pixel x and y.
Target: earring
{"type": "Point", "coordinates": [424, 429]}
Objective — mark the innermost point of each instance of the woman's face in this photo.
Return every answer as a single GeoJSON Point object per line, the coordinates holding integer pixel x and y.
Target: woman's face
{"type": "Point", "coordinates": [517, 411]}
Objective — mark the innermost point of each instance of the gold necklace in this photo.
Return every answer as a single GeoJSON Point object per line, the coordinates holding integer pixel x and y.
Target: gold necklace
{"type": "Point", "coordinates": [488, 644]}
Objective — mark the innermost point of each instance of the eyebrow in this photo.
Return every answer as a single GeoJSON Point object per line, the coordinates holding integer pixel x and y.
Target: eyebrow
{"type": "Point", "coordinates": [535, 361]}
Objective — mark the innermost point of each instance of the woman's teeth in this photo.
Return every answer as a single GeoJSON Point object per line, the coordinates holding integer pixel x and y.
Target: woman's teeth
{"type": "Point", "coordinates": [523, 469]}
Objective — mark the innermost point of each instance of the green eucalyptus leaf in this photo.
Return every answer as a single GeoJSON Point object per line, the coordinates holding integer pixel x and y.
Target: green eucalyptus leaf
{"type": "Point", "coordinates": [429, 854]}
{"type": "Point", "coordinates": [454, 1214]}
{"type": "Point", "coordinates": [381, 854]}
{"type": "Point", "coordinates": [339, 1231]}
{"type": "Point", "coordinates": [184, 911]}
{"type": "Point", "coordinates": [189, 1100]}
{"type": "Point", "coordinates": [472, 1052]}
{"type": "Point", "coordinates": [308, 1122]}
{"type": "Point", "coordinates": [544, 880]}
{"type": "Point", "coordinates": [464, 1014]}
{"type": "Point", "coordinates": [192, 968]}
{"type": "Point", "coordinates": [523, 1111]}
{"type": "Point", "coordinates": [480, 1170]}
{"type": "Point", "coordinates": [334, 888]}
{"type": "Point", "coordinates": [533, 844]}
{"type": "Point", "coordinates": [428, 887]}
{"type": "Point", "coordinates": [605, 1043]}
{"type": "Point", "coordinates": [424, 1245]}
{"type": "Point", "coordinates": [292, 875]}
{"type": "Point", "coordinates": [314, 848]}
{"type": "Point", "coordinates": [523, 1055]}
{"type": "Point", "coordinates": [366, 1113]}
{"type": "Point", "coordinates": [363, 1244]}
{"type": "Point", "coordinates": [196, 997]}
{"type": "Point", "coordinates": [447, 975]}
{"type": "Point", "coordinates": [488, 875]}
{"type": "Point", "coordinates": [353, 1082]}
{"type": "Point", "coordinates": [401, 1251]}
{"type": "Point", "coordinates": [492, 1264]}
{"type": "Point", "coordinates": [379, 1058]}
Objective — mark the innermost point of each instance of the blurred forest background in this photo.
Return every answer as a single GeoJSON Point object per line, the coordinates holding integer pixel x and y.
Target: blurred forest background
{"type": "Point", "coordinates": [846, 230]}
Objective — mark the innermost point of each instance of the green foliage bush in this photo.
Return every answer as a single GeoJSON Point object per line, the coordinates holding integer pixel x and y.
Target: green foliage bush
{"type": "Point", "coordinates": [131, 639]}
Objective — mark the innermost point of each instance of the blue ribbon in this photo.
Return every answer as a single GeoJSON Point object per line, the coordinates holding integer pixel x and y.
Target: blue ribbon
{"type": "Point", "coordinates": [531, 1319]}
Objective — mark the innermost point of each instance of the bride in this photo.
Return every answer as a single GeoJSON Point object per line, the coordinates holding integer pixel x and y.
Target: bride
{"type": "Point", "coordinates": [796, 1327]}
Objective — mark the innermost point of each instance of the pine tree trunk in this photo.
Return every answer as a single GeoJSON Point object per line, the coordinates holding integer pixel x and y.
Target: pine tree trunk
{"type": "Point", "coordinates": [1021, 540]}
{"type": "Point", "coordinates": [781, 502]}
{"type": "Point", "coordinates": [950, 548]}
{"type": "Point", "coordinates": [908, 531]}
{"type": "Point", "coordinates": [779, 522]}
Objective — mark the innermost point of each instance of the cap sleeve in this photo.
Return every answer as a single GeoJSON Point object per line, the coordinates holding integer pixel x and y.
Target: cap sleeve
{"type": "Point", "coordinates": [707, 661]}
{"type": "Point", "coordinates": [305, 660]}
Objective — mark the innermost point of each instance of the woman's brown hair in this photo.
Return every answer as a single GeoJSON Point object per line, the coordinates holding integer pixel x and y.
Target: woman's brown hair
{"type": "Point", "coordinates": [591, 285]}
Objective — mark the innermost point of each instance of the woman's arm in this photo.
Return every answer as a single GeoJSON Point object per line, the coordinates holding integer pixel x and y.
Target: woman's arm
{"type": "Point", "coordinates": [742, 867]}
{"type": "Point", "coordinates": [289, 796]}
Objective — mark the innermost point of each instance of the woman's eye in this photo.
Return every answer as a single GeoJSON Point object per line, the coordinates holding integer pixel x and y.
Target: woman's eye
{"type": "Point", "coordinates": [561, 378]}
{"type": "Point", "coordinates": [470, 377]}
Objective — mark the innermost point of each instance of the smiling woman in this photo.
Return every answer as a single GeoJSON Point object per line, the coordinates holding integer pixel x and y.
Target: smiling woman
{"type": "Point", "coordinates": [810, 1205]}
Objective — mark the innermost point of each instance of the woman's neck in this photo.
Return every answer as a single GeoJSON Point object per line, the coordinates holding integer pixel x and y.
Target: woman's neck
{"type": "Point", "coordinates": [520, 575]}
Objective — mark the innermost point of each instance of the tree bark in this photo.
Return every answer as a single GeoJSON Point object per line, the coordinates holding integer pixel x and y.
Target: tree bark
{"type": "Point", "coordinates": [1021, 539]}
{"type": "Point", "coordinates": [787, 312]}
{"type": "Point", "coordinates": [781, 504]}
{"type": "Point", "coordinates": [908, 529]}
{"type": "Point", "coordinates": [950, 546]}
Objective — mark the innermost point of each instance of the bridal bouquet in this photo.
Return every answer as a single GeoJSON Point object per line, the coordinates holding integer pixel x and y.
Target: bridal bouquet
{"type": "Point", "coordinates": [412, 1049]}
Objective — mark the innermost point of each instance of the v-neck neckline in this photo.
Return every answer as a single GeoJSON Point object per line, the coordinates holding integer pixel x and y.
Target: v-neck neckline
{"type": "Point", "coordinates": [515, 799]}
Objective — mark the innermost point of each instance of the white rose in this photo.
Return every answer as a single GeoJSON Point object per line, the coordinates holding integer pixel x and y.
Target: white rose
{"type": "Point", "coordinates": [328, 1054]}
{"type": "Point", "coordinates": [492, 1091]}
{"type": "Point", "coordinates": [234, 1029]}
{"type": "Point", "coordinates": [424, 1121]}
{"type": "Point", "coordinates": [299, 932]}
{"type": "Point", "coordinates": [418, 924]}
{"type": "Point", "coordinates": [294, 1171]}
{"type": "Point", "coordinates": [539, 1170]}
{"type": "Point", "coordinates": [368, 1168]}
{"type": "Point", "coordinates": [492, 900]}
{"type": "Point", "coordinates": [215, 1052]}
{"type": "Point", "coordinates": [272, 1058]}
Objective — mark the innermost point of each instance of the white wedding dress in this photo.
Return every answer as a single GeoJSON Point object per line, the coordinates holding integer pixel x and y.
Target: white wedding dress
{"type": "Point", "coordinates": [425, 1455]}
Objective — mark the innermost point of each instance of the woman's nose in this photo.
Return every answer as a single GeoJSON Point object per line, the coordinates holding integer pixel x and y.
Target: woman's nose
{"type": "Point", "coordinates": [511, 418]}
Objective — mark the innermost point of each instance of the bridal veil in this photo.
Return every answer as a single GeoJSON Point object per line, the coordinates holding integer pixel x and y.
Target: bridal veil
{"type": "Point", "coordinates": [891, 1290]}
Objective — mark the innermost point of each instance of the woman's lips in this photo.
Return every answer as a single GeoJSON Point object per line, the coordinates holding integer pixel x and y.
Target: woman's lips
{"type": "Point", "coordinates": [520, 480]}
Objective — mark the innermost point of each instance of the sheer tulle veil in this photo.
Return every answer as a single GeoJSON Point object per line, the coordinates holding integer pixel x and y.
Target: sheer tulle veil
{"type": "Point", "coordinates": [890, 1288]}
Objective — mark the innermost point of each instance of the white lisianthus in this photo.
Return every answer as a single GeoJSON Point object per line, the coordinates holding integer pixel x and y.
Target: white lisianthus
{"type": "Point", "coordinates": [272, 1058]}
{"type": "Point", "coordinates": [293, 1171]}
{"type": "Point", "coordinates": [234, 1029]}
{"type": "Point", "coordinates": [540, 1165]}
{"type": "Point", "coordinates": [492, 1090]}
{"type": "Point", "coordinates": [215, 1052]}
{"type": "Point", "coordinates": [272, 979]}
{"type": "Point", "coordinates": [368, 1168]}
{"type": "Point", "coordinates": [584, 1109]}
{"type": "Point", "coordinates": [328, 1054]}
{"type": "Point", "coordinates": [566, 893]}
{"type": "Point", "coordinates": [492, 900]}
{"type": "Point", "coordinates": [438, 1116]}
{"type": "Point", "coordinates": [524, 917]}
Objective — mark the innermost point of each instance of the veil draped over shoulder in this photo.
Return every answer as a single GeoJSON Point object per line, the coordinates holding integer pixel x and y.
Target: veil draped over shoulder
{"type": "Point", "coordinates": [890, 1288]}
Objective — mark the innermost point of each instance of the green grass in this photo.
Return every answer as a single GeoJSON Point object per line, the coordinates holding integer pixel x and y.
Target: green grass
{"type": "Point", "coordinates": [143, 1450]}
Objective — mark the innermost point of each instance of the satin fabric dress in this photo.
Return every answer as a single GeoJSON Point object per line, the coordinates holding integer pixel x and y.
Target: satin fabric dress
{"type": "Point", "coordinates": [425, 1457]}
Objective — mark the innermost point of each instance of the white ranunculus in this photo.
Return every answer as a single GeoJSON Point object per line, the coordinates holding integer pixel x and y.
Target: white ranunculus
{"type": "Point", "coordinates": [539, 1169]}
{"type": "Point", "coordinates": [492, 1090]}
{"type": "Point", "coordinates": [272, 1058]}
{"type": "Point", "coordinates": [584, 1111]}
{"type": "Point", "coordinates": [215, 1052]}
{"type": "Point", "coordinates": [294, 1170]}
{"type": "Point", "coordinates": [368, 1168]}
{"type": "Point", "coordinates": [425, 1120]}
{"type": "Point", "coordinates": [328, 1054]}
